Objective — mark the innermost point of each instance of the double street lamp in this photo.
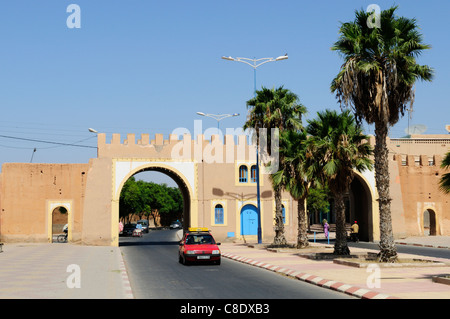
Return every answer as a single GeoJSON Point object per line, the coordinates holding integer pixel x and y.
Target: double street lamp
{"type": "Point", "coordinates": [255, 63]}
{"type": "Point", "coordinates": [218, 117]}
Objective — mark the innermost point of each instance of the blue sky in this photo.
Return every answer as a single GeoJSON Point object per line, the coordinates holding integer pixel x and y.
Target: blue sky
{"type": "Point", "coordinates": [144, 66]}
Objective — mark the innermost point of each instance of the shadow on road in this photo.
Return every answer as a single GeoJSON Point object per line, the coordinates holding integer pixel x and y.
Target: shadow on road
{"type": "Point", "coordinates": [148, 243]}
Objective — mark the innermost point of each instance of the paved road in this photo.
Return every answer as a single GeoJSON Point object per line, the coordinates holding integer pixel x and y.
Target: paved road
{"type": "Point", "coordinates": [154, 272]}
{"type": "Point", "coordinates": [422, 251]}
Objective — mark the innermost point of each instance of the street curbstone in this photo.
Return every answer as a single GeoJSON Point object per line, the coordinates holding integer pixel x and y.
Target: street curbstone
{"type": "Point", "coordinates": [354, 291]}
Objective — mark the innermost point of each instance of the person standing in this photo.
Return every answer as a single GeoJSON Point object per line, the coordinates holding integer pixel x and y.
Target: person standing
{"type": "Point", "coordinates": [326, 228]}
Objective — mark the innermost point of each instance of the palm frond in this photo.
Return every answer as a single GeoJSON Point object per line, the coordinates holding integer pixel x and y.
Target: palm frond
{"type": "Point", "coordinates": [444, 183]}
{"type": "Point", "coordinates": [380, 69]}
{"type": "Point", "coordinates": [339, 147]}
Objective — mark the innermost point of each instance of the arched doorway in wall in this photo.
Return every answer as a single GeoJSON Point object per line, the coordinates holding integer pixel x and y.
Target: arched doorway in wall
{"type": "Point", "coordinates": [358, 207]}
{"type": "Point", "coordinates": [429, 223]}
{"type": "Point", "coordinates": [60, 218]}
{"type": "Point", "coordinates": [59, 213]}
{"type": "Point", "coordinates": [173, 179]}
{"type": "Point", "coordinates": [360, 210]}
{"type": "Point", "coordinates": [249, 220]}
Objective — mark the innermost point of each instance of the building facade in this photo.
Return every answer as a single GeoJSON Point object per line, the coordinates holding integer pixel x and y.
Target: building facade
{"type": "Point", "coordinates": [217, 180]}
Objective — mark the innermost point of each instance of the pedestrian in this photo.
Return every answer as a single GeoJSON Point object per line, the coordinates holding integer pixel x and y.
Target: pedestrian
{"type": "Point", "coordinates": [354, 232]}
{"type": "Point", "coordinates": [326, 227]}
{"type": "Point", "coordinates": [66, 230]}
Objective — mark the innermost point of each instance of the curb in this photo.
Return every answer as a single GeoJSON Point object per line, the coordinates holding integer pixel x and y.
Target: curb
{"type": "Point", "coordinates": [354, 291]}
{"type": "Point", "coordinates": [125, 280]}
{"type": "Point", "coordinates": [422, 245]}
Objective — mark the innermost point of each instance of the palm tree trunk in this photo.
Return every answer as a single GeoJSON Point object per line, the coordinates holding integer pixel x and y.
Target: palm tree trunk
{"type": "Point", "coordinates": [302, 235]}
{"type": "Point", "coordinates": [388, 251]}
{"type": "Point", "coordinates": [340, 245]}
{"type": "Point", "coordinates": [279, 239]}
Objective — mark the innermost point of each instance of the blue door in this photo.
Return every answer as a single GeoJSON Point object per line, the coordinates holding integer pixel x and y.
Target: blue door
{"type": "Point", "coordinates": [249, 220]}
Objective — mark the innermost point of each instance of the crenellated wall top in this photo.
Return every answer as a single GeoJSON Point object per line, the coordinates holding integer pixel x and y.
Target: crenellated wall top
{"type": "Point", "coordinates": [173, 139]}
{"type": "Point", "coordinates": [228, 149]}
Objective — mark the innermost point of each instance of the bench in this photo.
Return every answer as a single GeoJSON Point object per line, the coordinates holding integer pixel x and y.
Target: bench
{"type": "Point", "coordinates": [318, 229]}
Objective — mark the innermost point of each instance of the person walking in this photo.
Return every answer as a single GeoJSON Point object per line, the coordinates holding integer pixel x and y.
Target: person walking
{"type": "Point", "coordinates": [355, 231]}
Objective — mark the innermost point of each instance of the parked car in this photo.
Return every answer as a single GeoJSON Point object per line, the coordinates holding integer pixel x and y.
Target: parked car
{"type": "Point", "coordinates": [175, 225]}
{"type": "Point", "coordinates": [144, 224]}
{"type": "Point", "coordinates": [128, 229]}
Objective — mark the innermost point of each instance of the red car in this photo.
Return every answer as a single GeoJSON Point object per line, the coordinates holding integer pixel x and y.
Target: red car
{"type": "Point", "coordinates": [198, 245]}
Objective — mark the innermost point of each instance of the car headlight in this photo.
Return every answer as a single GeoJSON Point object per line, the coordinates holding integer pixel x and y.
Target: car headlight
{"type": "Point", "coordinates": [216, 252]}
{"type": "Point", "coordinates": [190, 252]}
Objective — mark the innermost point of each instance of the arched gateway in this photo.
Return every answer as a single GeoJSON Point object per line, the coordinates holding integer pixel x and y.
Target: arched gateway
{"type": "Point", "coordinates": [183, 173]}
{"type": "Point", "coordinates": [207, 173]}
{"type": "Point", "coordinates": [116, 163]}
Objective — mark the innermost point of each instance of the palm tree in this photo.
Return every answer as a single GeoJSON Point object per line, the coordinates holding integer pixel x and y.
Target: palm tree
{"type": "Point", "coordinates": [280, 109]}
{"type": "Point", "coordinates": [338, 147]}
{"type": "Point", "coordinates": [296, 176]}
{"type": "Point", "coordinates": [377, 81]}
{"type": "Point", "coordinates": [444, 183]}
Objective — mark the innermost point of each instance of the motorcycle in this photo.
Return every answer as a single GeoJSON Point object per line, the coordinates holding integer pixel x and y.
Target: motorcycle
{"type": "Point", "coordinates": [137, 232]}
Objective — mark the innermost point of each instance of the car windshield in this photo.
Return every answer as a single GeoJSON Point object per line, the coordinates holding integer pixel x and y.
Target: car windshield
{"type": "Point", "coordinates": [199, 239]}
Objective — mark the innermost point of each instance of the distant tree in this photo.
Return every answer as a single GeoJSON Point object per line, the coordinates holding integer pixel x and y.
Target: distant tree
{"type": "Point", "coordinates": [146, 198]}
{"type": "Point", "coordinates": [177, 208]}
{"type": "Point", "coordinates": [318, 200]}
{"type": "Point", "coordinates": [130, 199]}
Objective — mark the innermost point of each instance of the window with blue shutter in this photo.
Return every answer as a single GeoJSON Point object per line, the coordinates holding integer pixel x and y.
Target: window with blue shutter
{"type": "Point", "coordinates": [218, 214]}
{"type": "Point", "coordinates": [243, 174]}
{"type": "Point", "coordinates": [253, 174]}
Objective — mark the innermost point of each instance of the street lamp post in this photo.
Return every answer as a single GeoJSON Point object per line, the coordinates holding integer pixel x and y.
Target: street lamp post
{"type": "Point", "coordinates": [96, 133]}
{"type": "Point", "coordinates": [218, 117]}
{"type": "Point", "coordinates": [255, 63]}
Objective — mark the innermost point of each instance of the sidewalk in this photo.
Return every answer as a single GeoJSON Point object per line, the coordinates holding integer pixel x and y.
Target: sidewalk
{"type": "Point", "coordinates": [402, 281]}
{"type": "Point", "coordinates": [50, 271]}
